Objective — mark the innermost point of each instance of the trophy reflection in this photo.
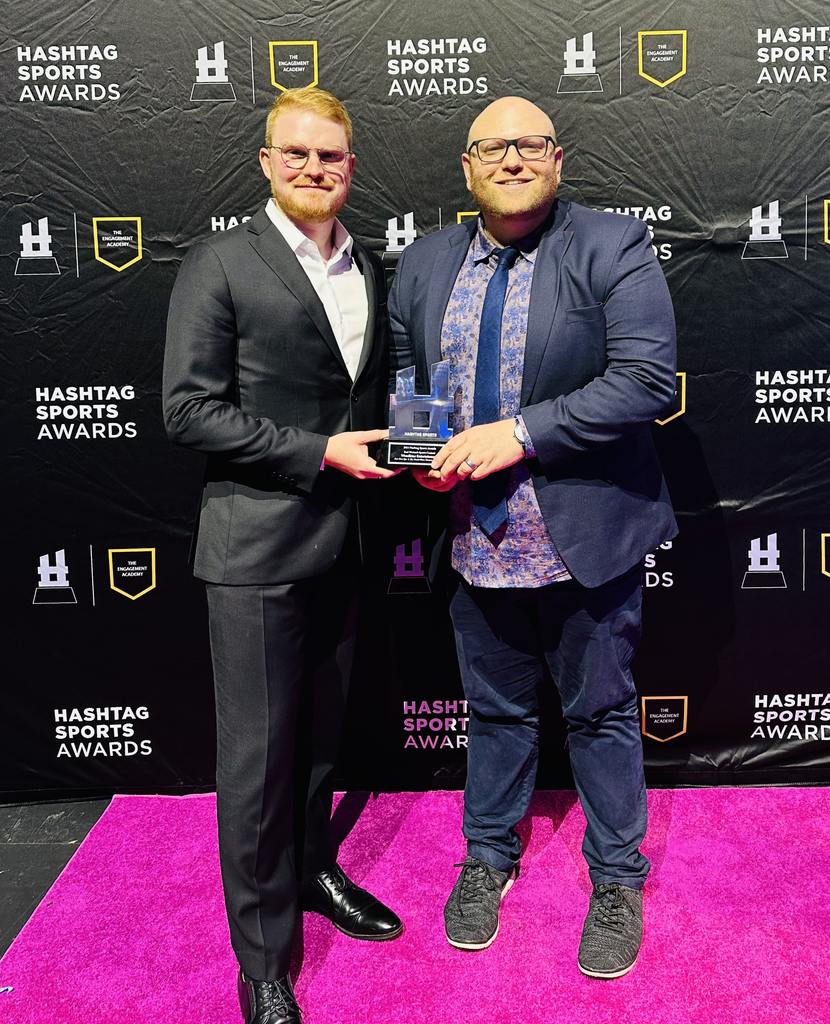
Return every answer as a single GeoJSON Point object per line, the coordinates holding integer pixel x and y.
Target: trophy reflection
{"type": "Point", "coordinates": [419, 425]}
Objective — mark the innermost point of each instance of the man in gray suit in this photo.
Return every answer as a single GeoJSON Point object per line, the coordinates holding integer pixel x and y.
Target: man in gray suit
{"type": "Point", "coordinates": [559, 330]}
{"type": "Point", "coordinates": [276, 368]}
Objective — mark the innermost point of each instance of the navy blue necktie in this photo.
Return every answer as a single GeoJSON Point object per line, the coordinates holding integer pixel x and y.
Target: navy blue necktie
{"type": "Point", "coordinates": [490, 494]}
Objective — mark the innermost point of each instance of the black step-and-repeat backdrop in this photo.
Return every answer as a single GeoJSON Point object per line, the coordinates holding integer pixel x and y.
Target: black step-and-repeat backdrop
{"type": "Point", "coordinates": [131, 129]}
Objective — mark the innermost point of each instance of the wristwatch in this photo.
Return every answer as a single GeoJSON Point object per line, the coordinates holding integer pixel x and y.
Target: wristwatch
{"type": "Point", "coordinates": [520, 434]}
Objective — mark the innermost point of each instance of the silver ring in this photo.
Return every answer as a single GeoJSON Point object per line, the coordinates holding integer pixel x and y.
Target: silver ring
{"type": "Point", "coordinates": [473, 467]}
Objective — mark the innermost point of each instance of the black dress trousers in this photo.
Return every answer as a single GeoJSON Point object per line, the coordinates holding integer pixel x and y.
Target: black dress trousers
{"type": "Point", "coordinates": [282, 655]}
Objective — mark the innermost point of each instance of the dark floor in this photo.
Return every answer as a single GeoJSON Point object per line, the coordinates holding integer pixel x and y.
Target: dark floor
{"type": "Point", "coordinates": [36, 843]}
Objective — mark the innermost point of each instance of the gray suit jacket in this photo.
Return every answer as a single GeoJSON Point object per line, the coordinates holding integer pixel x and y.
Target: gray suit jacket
{"type": "Point", "coordinates": [599, 367]}
{"type": "Point", "coordinates": [254, 378]}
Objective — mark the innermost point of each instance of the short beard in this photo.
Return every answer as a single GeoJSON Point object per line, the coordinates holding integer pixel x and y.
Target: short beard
{"type": "Point", "coordinates": [309, 212]}
{"type": "Point", "coordinates": [492, 208]}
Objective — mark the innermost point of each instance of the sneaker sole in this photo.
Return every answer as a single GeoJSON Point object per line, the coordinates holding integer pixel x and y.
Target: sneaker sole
{"type": "Point", "coordinates": [606, 974]}
{"type": "Point", "coordinates": [481, 945]}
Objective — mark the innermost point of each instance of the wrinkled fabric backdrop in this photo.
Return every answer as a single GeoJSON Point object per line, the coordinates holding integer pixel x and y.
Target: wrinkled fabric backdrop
{"type": "Point", "coordinates": [131, 130]}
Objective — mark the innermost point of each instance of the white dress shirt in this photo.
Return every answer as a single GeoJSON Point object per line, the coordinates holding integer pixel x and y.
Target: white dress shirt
{"type": "Point", "coordinates": [337, 281]}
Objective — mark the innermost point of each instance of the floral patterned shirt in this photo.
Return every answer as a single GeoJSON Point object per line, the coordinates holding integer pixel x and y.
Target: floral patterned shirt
{"type": "Point", "coordinates": [524, 554]}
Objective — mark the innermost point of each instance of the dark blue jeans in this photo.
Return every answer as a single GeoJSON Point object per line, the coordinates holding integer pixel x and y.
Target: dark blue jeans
{"type": "Point", "coordinates": [585, 639]}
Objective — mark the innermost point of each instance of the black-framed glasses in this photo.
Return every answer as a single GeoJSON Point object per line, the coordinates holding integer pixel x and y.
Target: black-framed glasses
{"type": "Point", "coordinates": [296, 157]}
{"type": "Point", "coordinates": [529, 147]}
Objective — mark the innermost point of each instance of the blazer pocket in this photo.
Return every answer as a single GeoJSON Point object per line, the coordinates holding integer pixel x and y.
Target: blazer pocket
{"type": "Point", "coordinates": [580, 314]}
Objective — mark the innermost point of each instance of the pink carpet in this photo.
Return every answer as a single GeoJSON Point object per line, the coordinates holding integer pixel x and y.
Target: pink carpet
{"type": "Point", "coordinates": [737, 919]}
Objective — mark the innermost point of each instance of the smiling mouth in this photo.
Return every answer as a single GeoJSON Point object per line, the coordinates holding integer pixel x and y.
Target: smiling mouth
{"type": "Point", "coordinates": [515, 181]}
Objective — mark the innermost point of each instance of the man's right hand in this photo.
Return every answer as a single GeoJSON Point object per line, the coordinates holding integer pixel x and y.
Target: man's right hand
{"type": "Point", "coordinates": [348, 453]}
{"type": "Point", "coordinates": [432, 479]}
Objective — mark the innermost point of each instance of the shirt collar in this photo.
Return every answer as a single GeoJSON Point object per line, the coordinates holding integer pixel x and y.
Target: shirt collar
{"type": "Point", "coordinates": [298, 242]}
{"type": "Point", "coordinates": [482, 248]}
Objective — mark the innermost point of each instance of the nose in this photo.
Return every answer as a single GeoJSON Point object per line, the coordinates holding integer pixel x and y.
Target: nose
{"type": "Point", "coordinates": [314, 166]}
{"type": "Point", "coordinates": [511, 159]}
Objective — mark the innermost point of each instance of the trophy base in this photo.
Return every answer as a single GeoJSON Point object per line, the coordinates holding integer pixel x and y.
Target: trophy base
{"type": "Point", "coordinates": [393, 452]}
{"type": "Point", "coordinates": [590, 82]}
{"type": "Point", "coordinates": [54, 595]}
{"type": "Point", "coordinates": [408, 585]}
{"type": "Point", "coordinates": [36, 266]}
{"type": "Point", "coordinates": [212, 92]}
{"type": "Point", "coordinates": [772, 579]}
{"type": "Point", "coordinates": [774, 249]}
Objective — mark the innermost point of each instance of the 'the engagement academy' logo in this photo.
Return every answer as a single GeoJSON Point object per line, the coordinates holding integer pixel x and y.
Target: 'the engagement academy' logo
{"type": "Point", "coordinates": [293, 64]}
{"type": "Point", "coordinates": [664, 718]}
{"type": "Point", "coordinates": [132, 571]}
{"type": "Point", "coordinates": [117, 241]}
{"type": "Point", "coordinates": [662, 56]}
{"type": "Point", "coordinates": [678, 405]}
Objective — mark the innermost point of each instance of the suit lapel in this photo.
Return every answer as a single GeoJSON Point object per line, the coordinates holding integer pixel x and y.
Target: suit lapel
{"type": "Point", "coordinates": [276, 252]}
{"type": "Point", "coordinates": [442, 280]}
{"type": "Point", "coordinates": [365, 264]}
{"type": "Point", "coordinates": [544, 296]}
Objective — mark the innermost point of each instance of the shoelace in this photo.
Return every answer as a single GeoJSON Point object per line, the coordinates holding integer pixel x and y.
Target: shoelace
{"type": "Point", "coordinates": [335, 878]}
{"type": "Point", "coordinates": [474, 876]}
{"type": "Point", "coordinates": [609, 909]}
{"type": "Point", "coordinates": [272, 996]}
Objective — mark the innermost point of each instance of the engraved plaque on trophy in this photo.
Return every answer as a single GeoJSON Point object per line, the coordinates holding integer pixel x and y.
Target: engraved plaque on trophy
{"type": "Point", "coordinates": [419, 425]}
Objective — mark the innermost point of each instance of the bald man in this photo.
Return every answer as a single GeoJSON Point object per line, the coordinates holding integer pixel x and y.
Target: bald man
{"type": "Point", "coordinates": [559, 330]}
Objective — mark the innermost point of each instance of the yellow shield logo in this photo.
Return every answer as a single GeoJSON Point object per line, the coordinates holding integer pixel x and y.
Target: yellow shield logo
{"type": "Point", "coordinates": [465, 215]}
{"type": "Point", "coordinates": [664, 718]}
{"type": "Point", "coordinates": [825, 554]}
{"type": "Point", "coordinates": [293, 63]}
{"type": "Point", "coordinates": [662, 56]}
{"type": "Point", "coordinates": [827, 221]}
{"type": "Point", "coordinates": [132, 571]}
{"type": "Point", "coordinates": [117, 241]}
{"type": "Point", "coordinates": [678, 406]}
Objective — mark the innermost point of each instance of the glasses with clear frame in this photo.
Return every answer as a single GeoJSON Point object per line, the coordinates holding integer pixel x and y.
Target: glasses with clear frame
{"type": "Point", "coordinates": [529, 147]}
{"type": "Point", "coordinates": [296, 157]}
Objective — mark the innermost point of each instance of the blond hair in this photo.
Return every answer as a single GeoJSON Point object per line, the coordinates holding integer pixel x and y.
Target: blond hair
{"type": "Point", "coordinates": [318, 101]}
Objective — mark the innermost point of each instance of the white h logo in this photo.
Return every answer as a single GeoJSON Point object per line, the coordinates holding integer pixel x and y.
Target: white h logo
{"type": "Point", "coordinates": [212, 69]}
{"type": "Point", "coordinates": [765, 229]}
{"type": "Point", "coordinates": [53, 574]}
{"type": "Point", "coordinates": [764, 559]}
{"type": "Point", "coordinates": [39, 244]}
{"type": "Point", "coordinates": [580, 62]}
{"type": "Point", "coordinates": [397, 239]}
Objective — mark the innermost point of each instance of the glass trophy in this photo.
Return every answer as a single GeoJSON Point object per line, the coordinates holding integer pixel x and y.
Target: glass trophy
{"type": "Point", "coordinates": [419, 425]}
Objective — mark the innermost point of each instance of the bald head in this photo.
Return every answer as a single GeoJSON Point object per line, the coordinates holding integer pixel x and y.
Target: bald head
{"type": "Point", "coordinates": [509, 118]}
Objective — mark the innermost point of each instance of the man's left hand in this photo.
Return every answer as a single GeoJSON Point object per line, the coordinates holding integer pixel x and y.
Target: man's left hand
{"type": "Point", "coordinates": [479, 451]}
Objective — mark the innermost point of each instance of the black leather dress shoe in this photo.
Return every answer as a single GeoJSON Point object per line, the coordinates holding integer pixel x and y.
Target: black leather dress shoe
{"type": "Point", "coordinates": [268, 1002]}
{"type": "Point", "coordinates": [351, 909]}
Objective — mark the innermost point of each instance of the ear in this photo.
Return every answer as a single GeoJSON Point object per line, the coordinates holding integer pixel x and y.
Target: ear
{"type": "Point", "coordinates": [558, 158]}
{"type": "Point", "coordinates": [465, 164]}
{"type": "Point", "coordinates": [265, 162]}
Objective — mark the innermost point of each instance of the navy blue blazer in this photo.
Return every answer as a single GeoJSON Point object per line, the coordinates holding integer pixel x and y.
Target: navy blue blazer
{"type": "Point", "coordinates": [599, 368]}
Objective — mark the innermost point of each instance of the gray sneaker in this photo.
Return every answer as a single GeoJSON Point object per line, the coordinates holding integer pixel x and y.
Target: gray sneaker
{"type": "Point", "coordinates": [471, 915]}
{"type": "Point", "coordinates": [612, 932]}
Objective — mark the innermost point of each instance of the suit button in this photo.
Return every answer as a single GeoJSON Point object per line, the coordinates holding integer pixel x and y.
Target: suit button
{"type": "Point", "coordinates": [354, 397]}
